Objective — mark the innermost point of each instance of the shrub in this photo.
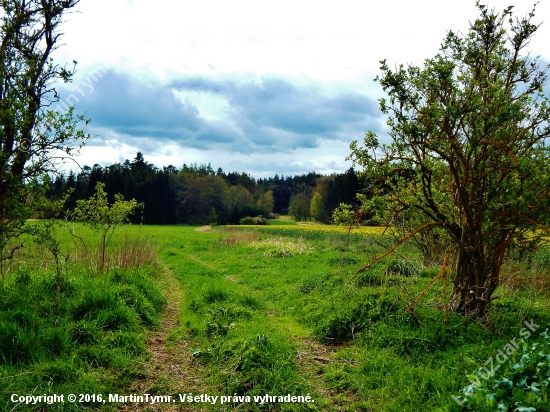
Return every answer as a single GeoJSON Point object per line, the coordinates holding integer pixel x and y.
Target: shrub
{"type": "Point", "coordinates": [259, 220]}
{"type": "Point", "coordinates": [522, 383]}
{"type": "Point", "coordinates": [248, 220]}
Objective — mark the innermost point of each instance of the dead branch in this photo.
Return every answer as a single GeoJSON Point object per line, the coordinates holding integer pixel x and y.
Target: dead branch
{"type": "Point", "coordinates": [398, 243]}
{"type": "Point", "coordinates": [444, 268]}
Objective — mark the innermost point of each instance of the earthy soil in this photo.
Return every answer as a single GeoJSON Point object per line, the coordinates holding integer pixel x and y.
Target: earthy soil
{"type": "Point", "coordinates": [170, 369]}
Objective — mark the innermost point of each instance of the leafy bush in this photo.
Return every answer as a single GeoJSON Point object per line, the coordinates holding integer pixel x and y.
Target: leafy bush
{"type": "Point", "coordinates": [521, 383]}
{"type": "Point", "coordinates": [248, 220]}
{"type": "Point", "coordinates": [259, 220]}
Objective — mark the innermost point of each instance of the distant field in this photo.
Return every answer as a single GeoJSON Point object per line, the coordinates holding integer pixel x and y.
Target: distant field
{"type": "Point", "coordinates": [279, 222]}
{"type": "Point", "coordinates": [318, 227]}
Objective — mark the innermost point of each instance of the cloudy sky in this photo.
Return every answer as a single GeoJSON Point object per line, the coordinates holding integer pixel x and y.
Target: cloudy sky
{"type": "Point", "coordinates": [263, 87]}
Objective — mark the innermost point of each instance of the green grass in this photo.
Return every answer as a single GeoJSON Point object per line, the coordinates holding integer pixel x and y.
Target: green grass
{"type": "Point", "coordinates": [267, 310]}
{"type": "Point", "coordinates": [92, 340]}
{"type": "Point", "coordinates": [239, 291]}
{"type": "Point", "coordinates": [279, 222]}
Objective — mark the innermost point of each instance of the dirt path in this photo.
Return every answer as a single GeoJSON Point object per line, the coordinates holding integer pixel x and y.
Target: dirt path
{"type": "Point", "coordinates": [311, 358]}
{"type": "Point", "coordinates": [203, 228]}
{"type": "Point", "coordinates": [170, 369]}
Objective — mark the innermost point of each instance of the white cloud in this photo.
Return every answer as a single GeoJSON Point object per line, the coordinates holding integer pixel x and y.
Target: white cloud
{"type": "Point", "coordinates": [330, 50]}
{"type": "Point", "coordinates": [323, 39]}
{"type": "Point", "coordinates": [328, 157]}
{"type": "Point", "coordinates": [211, 107]}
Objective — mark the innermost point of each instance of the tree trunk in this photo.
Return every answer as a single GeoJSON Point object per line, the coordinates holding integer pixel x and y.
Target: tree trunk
{"type": "Point", "coordinates": [473, 285]}
{"type": "Point", "coordinates": [102, 254]}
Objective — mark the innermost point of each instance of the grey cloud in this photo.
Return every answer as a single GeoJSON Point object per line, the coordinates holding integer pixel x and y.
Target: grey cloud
{"type": "Point", "coordinates": [274, 114]}
{"type": "Point", "coordinates": [277, 104]}
{"type": "Point", "coordinates": [140, 109]}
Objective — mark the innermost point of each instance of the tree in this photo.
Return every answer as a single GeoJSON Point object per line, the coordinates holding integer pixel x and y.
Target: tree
{"type": "Point", "coordinates": [344, 215]}
{"type": "Point", "coordinates": [467, 144]}
{"type": "Point", "coordinates": [317, 208]}
{"type": "Point", "coordinates": [102, 217]}
{"type": "Point", "coordinates": [266, 203]}
{"type": "Point", "coordinates": [201, 195]}
{"type": "Point", "coordinates": [33, 138]}
{"type": "Point", "coordinates": [299, 206]}
{"type": "Point", "coordinates": [240, 197]}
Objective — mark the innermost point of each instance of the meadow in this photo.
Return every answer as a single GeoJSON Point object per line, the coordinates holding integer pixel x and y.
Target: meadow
{"type": "Point", "coordinates": [261, 310]}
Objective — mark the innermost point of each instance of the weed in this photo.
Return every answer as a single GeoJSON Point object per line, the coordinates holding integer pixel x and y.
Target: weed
{"type": "Point", "coordinates": [251, 302]}
{"type": "Point", "coordinates": [215, 294]}
{"type": "Point", "coordinates": [58, 372]}
{"type": "Point", "coordinates": [402, 268]}
{"type": "Point", "coordinates": [130, 342]}
{"type": "Point", "coordinates": [85, 332]}
{"type": "Point", "coordinates": [279, 247]}
{"type": "Point", "coordinates": [308, 284]}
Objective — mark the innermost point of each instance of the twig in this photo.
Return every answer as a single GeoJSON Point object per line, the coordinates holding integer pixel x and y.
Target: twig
{"type": "Point", "coordinates": [398, 243]}
{"type": "Point", "coordinates": [443, 270]}
{"type": "Point", "coordinates": [327, 360]}
{"type": "Point", "coordinates": [14, 376]}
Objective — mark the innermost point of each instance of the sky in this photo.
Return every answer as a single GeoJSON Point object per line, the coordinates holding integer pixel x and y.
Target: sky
{"type": "Point", "coordinates": [251, 86]}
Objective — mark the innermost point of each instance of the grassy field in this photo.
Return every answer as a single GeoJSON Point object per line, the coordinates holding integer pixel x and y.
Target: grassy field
{"type": "Point", "coordinates": [260, 311]}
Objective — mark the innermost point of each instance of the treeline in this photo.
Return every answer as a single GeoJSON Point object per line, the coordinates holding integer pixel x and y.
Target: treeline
{"type": "Point", "coordinates": [198, 194]}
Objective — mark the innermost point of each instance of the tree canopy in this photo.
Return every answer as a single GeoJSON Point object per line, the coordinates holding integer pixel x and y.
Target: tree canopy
{"type": "Point", "coordinates": [33, 137]}
{"type": "Point", "coordinates": [468, 137]}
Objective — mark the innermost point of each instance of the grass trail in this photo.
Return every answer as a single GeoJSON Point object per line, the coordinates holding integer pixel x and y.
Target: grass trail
{"type": "Point", "coordinates": [216, 278]}
{"type": "Point", "coordinates": [170, 368]}
{"type": "Point", "coordinates": [234, 293]}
